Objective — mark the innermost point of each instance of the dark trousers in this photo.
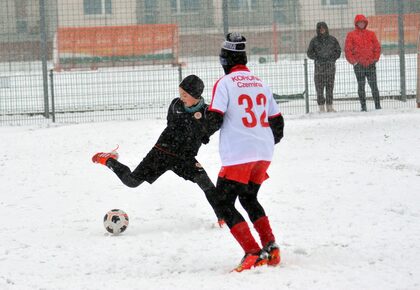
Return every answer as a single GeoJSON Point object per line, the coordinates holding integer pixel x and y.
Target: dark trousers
{"type": "Point", "coordinates": [362, 73]}
{"type": "Point", "coordinates": [324, 79]}
{"type": "Point", "coordinates": [246, 193]}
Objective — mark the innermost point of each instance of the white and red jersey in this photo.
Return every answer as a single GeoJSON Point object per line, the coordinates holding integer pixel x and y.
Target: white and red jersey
{"type": "Point", "coordinates": [246, 104]}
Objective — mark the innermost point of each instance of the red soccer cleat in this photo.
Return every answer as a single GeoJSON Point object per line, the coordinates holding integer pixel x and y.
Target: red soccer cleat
{"type": "Point", "coordinates": [102, 157]}
{"type": "Point", "coordinates": [273, 251]}
{"type": "Point", "coordinates": [251, 261]}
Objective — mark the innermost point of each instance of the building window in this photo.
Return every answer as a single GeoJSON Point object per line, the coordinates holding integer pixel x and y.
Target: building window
{"type": "Point", "coordinates": [243, 5]}
{"type": "Point", "coordinates": [281, 17]}
{"type": "Point", "coordinates": [97, 7]}
{"type": "Point", "coordinates": [185, 6]}
{"type": "Point", "coordinates": [21, 10]}
{"type": "Point", "coordinates": [21, 26]}
{"type": "Point", "coordinates": [285, 11]}
{"type": "Point", "coordinates": [334, 2]}
{"type": "Point", "coordinates": [279, 3]}
{"type": "Point", "coordinates": [150, 11]}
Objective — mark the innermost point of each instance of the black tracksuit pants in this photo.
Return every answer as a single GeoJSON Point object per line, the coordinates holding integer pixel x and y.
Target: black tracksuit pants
{"type": "Point", "coordinates": [158, 162]}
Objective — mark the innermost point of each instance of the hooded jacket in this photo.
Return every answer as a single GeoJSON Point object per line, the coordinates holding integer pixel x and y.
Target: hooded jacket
{"type": "Point", "coordinates": [362, 46]}
{"type": "Point", "coordinates": [323, 48]}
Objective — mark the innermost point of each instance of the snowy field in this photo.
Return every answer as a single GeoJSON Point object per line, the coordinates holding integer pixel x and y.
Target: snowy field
{"type": "Point", "coordinates": [343, 199]}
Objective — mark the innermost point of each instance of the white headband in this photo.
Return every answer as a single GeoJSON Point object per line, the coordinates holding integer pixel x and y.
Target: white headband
{"type": "Point", "coordinates": [232, 46]}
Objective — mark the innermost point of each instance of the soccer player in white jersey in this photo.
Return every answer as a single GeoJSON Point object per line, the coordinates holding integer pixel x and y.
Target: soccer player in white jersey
{"type": "Point", "coordinates": [250, 124]}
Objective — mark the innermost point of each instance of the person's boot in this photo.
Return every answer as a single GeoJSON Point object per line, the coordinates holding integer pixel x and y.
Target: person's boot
{"type": "Point", "coordinates": [330, 108]}
{"type": "Point", "coordinates": [254, 256]}
{"type": "Point", "coordinates": [102, 157]}
{"type": "Point", "coordinates": [263, 228]}
{"type": "Point", "coordinates": [252, 260]}
{"type": "Point", "coordinates": [364, 109]}
{"type": "Point", "coordinates": [377, 105]}
{"type": "Point", "coordinates": [273, 251]}
{"type": "Point", "coordinates": [321, 108]}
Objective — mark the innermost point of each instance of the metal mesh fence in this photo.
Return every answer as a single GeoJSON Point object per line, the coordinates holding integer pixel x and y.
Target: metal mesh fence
{"type": "Point", "coordinates": [99, 60]}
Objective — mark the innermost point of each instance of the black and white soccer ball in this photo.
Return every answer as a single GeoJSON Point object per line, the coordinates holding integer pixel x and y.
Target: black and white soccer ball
{"type": "Point", "coordinates": [116, 221]}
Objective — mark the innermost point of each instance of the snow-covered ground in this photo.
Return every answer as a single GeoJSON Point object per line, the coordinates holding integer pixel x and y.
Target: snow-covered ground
{"type": "Point", "coordinates": [343, 199]}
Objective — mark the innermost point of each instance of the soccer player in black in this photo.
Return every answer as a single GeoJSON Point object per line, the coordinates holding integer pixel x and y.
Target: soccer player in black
{"type": "Point", "coordinates": [176, 147]}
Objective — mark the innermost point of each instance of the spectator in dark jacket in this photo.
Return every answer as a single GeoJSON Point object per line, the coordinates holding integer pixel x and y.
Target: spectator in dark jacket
{"type": "Point", "coordinates": [363, 50]}
{"type": "Point", "coordinates": [324, 49]}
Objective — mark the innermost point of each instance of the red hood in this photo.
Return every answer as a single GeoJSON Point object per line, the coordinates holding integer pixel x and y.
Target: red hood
{"type": "Point", "coordinates": [360, 17]}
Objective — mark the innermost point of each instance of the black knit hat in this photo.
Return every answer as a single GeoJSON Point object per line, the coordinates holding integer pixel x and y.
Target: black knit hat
{"type": "Point", "coordinates": [233, 51]}
{"type": "Point", "coordinates": [193, 85]}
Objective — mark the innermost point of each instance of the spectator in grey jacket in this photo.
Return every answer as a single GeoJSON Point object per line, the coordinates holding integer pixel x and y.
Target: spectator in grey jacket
{"type": "Point", "coordinates": [324, 49]}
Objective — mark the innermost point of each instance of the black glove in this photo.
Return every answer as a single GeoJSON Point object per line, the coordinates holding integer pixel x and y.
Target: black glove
{"type": "Point", "coordinates": [277, 126]}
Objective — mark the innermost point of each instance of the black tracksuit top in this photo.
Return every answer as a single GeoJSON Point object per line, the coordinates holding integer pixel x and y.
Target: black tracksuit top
{"type": "Point", "coordinates": [184, 132]}
{"type": "Point", "coordinates": [324, 48]}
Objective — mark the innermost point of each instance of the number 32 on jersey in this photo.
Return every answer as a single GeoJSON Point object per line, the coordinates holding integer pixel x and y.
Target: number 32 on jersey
{"type": "Point", "coordinates": [251, 120]}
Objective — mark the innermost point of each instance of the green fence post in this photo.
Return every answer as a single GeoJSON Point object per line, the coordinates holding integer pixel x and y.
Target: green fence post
{"type": "Point", "coordinates": [401, 48]}
{"type": "Point", "coordinates": [43, 36]}
{"type": "Point", "coordinates": [52, 95]}
{"type": "Point", "coordinates": [305, 65]}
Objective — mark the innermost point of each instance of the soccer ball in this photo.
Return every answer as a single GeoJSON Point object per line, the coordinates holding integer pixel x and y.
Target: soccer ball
{"type": "Point", "coordinates": [116, 221]}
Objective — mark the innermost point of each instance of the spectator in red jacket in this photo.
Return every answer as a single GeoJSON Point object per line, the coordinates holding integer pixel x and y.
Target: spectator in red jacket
{"type": "Point", "coordinates": [363, 50]}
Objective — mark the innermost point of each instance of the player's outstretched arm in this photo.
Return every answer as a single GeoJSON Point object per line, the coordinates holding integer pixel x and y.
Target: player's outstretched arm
{"type": "Point", "coordinates": [214, 122]}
